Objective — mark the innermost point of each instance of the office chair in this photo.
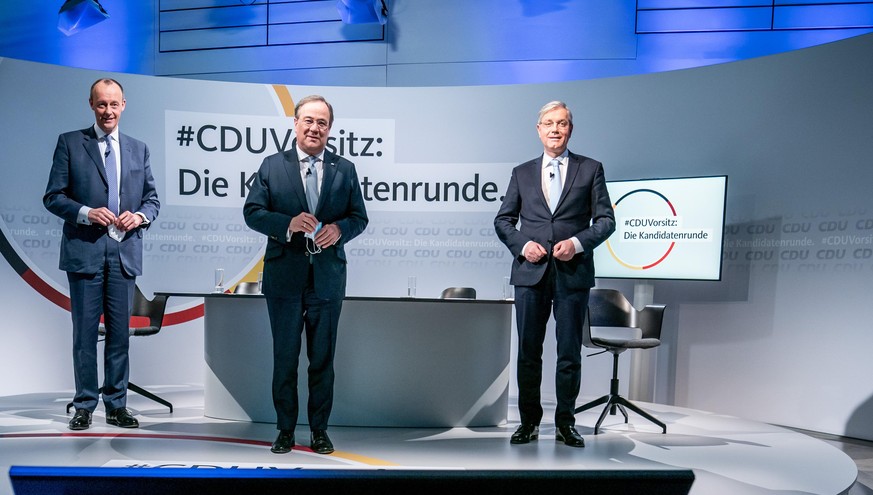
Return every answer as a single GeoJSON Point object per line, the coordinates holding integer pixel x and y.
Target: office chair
{"type": "Point", "coordinates": [458, 293]}
{"type": "Point", "coordinates": [621, 327]}
{"type": "Point", "coordinates": [146, 318]}
{"type": "Point", "coordinates": [246, 288]}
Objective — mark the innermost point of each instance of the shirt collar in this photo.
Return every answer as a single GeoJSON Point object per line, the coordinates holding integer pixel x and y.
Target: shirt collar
{"type": "Point", "coordinates": [562, 158]}
{"type": "Point", "coordinates": [302, 155]}
{"type": "Point", "coordinates": [100, 133]}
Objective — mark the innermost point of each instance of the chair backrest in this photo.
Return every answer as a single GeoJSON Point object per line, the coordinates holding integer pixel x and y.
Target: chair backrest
{"type": "Point", "coordinates": [609, 308]}
{"type": "Point", "coordinates": [144, 309]}
{"type": "Point", "coordinates": [146, 316]}
{"type": "Point", "coordinates": [246, 288]}
{"type": "Point", "coordinates": [458, 293]}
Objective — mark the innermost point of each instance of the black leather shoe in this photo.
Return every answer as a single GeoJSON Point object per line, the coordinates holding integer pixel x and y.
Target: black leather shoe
{"type": "Point", "coordinates": [284, 442]}
{"type": "Point", "coordinates": [569, 436]}
{"type": "Point", "coordinates": [81, 420]}
{"type": "Point", "coordinates": [121, 418]}
{"type": "Point", "coordinates": [320, 443]}
{"type": "Point", "coordinates": [525, 433]}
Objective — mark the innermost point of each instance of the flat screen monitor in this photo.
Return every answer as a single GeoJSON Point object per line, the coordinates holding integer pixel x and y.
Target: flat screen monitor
{"type": "Point", "coordinates": [666, 229]}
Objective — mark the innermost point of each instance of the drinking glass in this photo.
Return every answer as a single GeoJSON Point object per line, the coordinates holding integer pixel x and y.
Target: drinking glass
{"type": "Point", "coordinates": [219, 280]}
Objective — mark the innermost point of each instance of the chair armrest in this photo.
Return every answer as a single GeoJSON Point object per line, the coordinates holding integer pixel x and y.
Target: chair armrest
{"type": "Point", "coordinates": [650, 319]}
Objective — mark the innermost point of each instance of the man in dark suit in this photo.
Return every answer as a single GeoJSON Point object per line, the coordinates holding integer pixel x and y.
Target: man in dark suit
{"type": "Point", "coordinates": [309, 204]}
{"type": "Point", "coordinates": [101, 185]}
{"type": "Point", "coordinates": [565, 212]}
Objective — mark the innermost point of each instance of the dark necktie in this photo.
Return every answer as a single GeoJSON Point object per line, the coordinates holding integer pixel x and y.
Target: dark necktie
{"type": "Point", "coordinates": [312, 185]}
{"type": "Point", "coordinates": [111, 174]}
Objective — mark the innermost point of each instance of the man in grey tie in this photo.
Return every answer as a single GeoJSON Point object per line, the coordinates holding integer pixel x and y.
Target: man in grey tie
{"type": "Point", "coordinates": [561, 201]}
{"type": "Point", "coordinates": [309, 204]}
{"type": "Point", "coordinates": [101, 185]}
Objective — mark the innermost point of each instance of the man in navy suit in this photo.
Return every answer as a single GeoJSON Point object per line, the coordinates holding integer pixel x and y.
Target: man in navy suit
{"type": "Point", "coordinates": [101, 185]}
{"type": "Point", "coordinates": [553, 267]}
{"type": "Point", "coordinates": [305, 262]}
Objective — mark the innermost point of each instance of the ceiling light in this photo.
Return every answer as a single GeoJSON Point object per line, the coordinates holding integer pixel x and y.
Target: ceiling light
{"type": "Point", "coordinates": [362, 11]}
{"type": "Point", "coordinates": [76, 15]}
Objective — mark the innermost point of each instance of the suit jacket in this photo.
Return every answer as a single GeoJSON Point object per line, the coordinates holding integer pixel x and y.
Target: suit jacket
{"type": "Point", "coordinates": [278, 194]}
{"type": "Point", "coordinates": [78, 178]}
{"type": "Point", "coordinates": [584, 211]}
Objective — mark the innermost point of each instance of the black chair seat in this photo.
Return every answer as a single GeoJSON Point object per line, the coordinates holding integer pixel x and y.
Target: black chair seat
{"type": "Point", "coordinates": [622, 344]}
{"type": "Point", "coordinates": [458, 293]}
{"type": "Point", "coordinates": [134, 331]}
{"type": "Point", "coordinates": [246, 288]}
{"type": "Point", "coordinates": [144, 331]}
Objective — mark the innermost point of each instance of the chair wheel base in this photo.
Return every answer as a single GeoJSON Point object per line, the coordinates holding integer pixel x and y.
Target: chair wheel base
{"type": "Point", "coordinates": [141, 391]}
{"type": "Point", "coordinates": [616, 401]}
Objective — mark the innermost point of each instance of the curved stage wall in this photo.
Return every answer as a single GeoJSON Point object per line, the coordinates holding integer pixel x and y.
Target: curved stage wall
{"type": "Point", "coordinates": [792, 131]}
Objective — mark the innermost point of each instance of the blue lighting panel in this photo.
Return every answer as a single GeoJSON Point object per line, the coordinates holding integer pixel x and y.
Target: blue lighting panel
{"type": "Point", "coordinates": [824, 16]}
{"type": "Point", "coordinates": [700, 4]}
{"type": "Point", "coordinates": [213, 38]}
{"type": "Point", "coordinates": [303, 12]}
{"type": "Point", "coordinates": [200, 4]}
{"type": "Point", "coordinates": [698, 20]}
{"type": "Point", "coordinates": [819, 2]}
{"type": "Point", "coordinates": [239, 15]}
{"type": "Point", "coordinates": [323, 32]}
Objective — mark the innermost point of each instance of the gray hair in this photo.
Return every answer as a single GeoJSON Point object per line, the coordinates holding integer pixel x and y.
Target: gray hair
{"type": "Point", "coordinates": [548, 107]}
{"type": "Point", "coordinates": [310, 99]}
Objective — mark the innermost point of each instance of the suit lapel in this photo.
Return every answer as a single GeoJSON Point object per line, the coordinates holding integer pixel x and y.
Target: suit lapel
{"type": "Point", "coordinates": [93, 150]}
{"type": "Point", "coordinates": [292, 169]}
{"type": "Point", "coordinates": [534, 173]}
{"type": "Point", "coordinates": [329, 171]}
{"type": "Point", "coordinates": [574, 164]}
{"type": "Point", "coordinates": [126, 155]}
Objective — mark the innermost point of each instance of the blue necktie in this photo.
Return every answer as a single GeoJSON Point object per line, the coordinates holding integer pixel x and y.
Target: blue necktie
{"type": "Point", "coordinates": [111, 174]}
{"type": "Point", "coordinates": [312, 185]}
{"type": "Point", "coordinates": [554, 184]}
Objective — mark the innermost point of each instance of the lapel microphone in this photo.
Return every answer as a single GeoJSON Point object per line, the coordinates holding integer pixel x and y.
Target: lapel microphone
{"type": "Point", "coordinates": [551, 175]}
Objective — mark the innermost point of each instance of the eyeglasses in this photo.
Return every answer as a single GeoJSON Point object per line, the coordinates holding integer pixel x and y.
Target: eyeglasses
{"type": "Point", "coordinates": [309, 122]}
{"type": "Point", "coordinates": [562, 124]}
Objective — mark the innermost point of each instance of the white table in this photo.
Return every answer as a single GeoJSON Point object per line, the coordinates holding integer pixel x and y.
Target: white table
{"type": "Point", "coordinates": [399, 362]}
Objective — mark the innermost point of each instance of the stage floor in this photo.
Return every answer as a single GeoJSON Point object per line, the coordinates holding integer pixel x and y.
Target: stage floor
{"type": "Point", "coordinates": [728, 455]}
